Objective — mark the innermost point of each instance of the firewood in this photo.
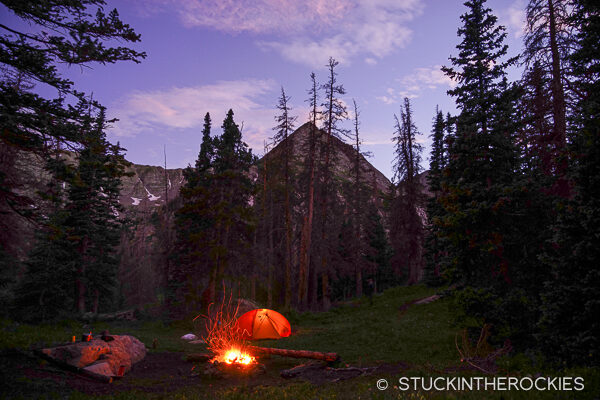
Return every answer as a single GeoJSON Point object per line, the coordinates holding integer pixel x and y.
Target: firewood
{"type": "Point", "coordinates": [301, 369]}
{"type": "Point", "coordinates": [72, 368]}
{"type": "Point", "coordinates": [316, 355]}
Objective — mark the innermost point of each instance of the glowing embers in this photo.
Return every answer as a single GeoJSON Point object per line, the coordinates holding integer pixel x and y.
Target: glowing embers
{"type": "Point", "coordinates": [224, 340]}
{"type": "Point", "coordinates": [235, 356]}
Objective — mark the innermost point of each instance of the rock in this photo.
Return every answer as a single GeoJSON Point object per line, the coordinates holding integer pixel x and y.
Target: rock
{"type": "Point", "coordinates": [124, 352]}
{"type": "Point", "coordinates": [189, 336]}
{"type": "Point", "coordinates": [79, 354]}
{"type": "Point", "coordinates": [101, 368]}
{"type": "Point", "coordinates": [98, 356]}
{"type": "Point", "coordinates": [244, 305]}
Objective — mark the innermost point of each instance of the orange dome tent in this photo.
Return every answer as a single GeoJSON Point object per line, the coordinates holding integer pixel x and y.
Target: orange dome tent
{"type": "Point", "coordinates": [263, 324]}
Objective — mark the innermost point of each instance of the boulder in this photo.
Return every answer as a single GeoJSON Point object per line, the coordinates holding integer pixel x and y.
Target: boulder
{"type": "Point", "coordinates": [99, 356]}
{"type": "Point", "coordinates": [79, 354]}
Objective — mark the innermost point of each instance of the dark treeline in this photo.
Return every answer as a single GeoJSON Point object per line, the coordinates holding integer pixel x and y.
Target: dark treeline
{"type": "Point", "coordinates": [509, 217]}
{"type": "Point", "coordinates": [60, 219]}
{"type": "Point", "coordinates": [513, 222]}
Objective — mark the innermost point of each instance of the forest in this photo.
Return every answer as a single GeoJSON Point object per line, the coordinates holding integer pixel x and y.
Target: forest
{"type": "Point", "coordinates": [505, 221]}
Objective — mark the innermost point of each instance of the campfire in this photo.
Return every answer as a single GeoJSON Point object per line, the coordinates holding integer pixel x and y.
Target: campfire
{"type": "Point", "coordinates": [235, 356]}
{"type": "Point", "coordinates": [231, 354]}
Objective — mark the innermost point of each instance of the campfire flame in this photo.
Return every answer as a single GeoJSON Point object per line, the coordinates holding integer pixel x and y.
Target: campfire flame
{"type": "Point", "coordinates": [223, 336]}
{"type": "Point", "coordinates": [234, 356]}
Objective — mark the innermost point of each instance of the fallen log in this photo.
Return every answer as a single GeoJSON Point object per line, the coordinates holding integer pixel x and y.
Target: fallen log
{"type": "Point", "coordinates": [302, 369]}
{"type": "Point", "coordinates": [315, 355]}
{"type": "Point", "coordinates": [72, 368]}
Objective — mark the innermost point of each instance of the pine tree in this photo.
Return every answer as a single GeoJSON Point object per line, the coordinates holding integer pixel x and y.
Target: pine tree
{"type": "Point", "coordinates": [285, 126]}
{"type": "Point", "coordinates": [548, 43]}
{"type": "Point", "coordinates": [216, 219]}
{"type": "Point", "coordinates": [77, 249]}
{"type": "Point", "coordinates": [94, 210]}
{"type": "Point", "coordinates": [493, 222]}
{"type": "Point", "coordinates": [569, 328]}
{"type": "Point", "coordinates": [61, 32]}
{"type": "Point", "coordinates": [406, 231]}
{"type": "Point", "coordinates": [475, 164]}
{"type": "Point", "coordinates": [306, 246]}
{"type": "Point", "coordinates": [33, 44]}
{"type": "Point", "coordinates": [334, 112]}
{"type": "Point", "coordinates": [437, 163]}
{"type": "Point", "coordinates": [193, 221]}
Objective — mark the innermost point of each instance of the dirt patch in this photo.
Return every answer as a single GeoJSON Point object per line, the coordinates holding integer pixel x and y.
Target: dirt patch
{"type": "Point", "coordinates": [158, 372]}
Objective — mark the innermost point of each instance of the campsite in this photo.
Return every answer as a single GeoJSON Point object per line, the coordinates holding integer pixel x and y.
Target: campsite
{"type": "Point", "coordinates": [387, 340]}
{"type": "Point", "coordinates": [315, 199]}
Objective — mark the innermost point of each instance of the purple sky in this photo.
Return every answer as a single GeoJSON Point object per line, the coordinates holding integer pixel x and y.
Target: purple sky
{"type": "Point", "coordinates": [212, 55]}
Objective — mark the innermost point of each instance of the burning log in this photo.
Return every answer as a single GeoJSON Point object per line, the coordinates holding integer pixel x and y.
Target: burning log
{"type": "Point", "coordinates": [316, 355]}
{"type": "Point", "coordinates": [217, 369]}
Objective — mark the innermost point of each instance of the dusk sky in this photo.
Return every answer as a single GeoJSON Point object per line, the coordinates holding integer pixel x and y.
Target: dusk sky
{"type": "Point", "coordinates": [212, 55]}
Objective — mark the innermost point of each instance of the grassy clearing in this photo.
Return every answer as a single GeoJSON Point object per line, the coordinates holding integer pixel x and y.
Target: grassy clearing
{"type": "Point", "coordinates": [368, 335]}
{"type": "Point", "coordinates": [363, 334]}
{"type": "Point", "coordinates": [24, 336]}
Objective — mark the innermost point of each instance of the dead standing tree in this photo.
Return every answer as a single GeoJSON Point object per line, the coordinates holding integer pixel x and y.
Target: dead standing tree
{"type": "Point", "coordinates": [334, 113]}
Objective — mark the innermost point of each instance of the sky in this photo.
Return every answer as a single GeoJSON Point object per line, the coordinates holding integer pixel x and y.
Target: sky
{"type": "Point", "coordinates": [213, 55]}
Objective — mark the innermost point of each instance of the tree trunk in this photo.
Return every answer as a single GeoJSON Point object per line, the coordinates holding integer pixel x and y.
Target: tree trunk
{"type": "Point", "coordinates": [325, 287]}
{"type": "Point", "coordinates": [306, 235]}
{"type": "Point", "coordinates": [558, 95]}
{"type": "Point", "coordinates": [288, 228]}
{"type": "Point", "coordinates": [96, 301]}
{"type": "Point", "coordinates": [80, 287]}
{"type": "Point", "coordinates": [358, 281]}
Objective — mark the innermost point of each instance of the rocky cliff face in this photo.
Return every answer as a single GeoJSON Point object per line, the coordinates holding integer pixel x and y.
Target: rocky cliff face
{"type": "Point", "coordinates": [150, 187]}
{"type": "Point", "coordinates": [344, 156]}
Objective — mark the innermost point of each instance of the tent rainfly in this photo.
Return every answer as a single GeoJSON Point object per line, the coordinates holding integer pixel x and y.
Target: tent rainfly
{"type": "Point", "coordinates": [263, 324]}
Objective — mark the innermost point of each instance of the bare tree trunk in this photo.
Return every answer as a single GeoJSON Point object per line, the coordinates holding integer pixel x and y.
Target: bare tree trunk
{"type": "Point", "coordinates": [306, 235]}
{"type": "Point", "coordinates": [558, 95]}
{"type": "Point", "coordinates": [358, 281]}
{"type": "Point", "coordinates": [270, 255]}
{"type": "Point", "coordinates": [253, 276]}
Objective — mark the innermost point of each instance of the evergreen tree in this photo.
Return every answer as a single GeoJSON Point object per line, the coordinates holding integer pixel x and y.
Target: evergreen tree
{"type": "Point", "coordinates": [476, 160]}
{"type": "Point", "coordinates": [61, 32]}
{"type": "Point", "coordinates": [437, 164]}
{"type": "Point", "coordinates": [215, 222]}
{"type": "Point", "coordinates": [306, 245]}
{"type": "Point", "coordinates": [33, 44]}
{"type": "Point", "coordinates": [548, 43]}
{"type": "Point", "coordinates": [569, 328]}
{"type": "Point", "coordinates": [334, 112]}
{"type": "Point", "coordinates": [380, 254]}
{"type": "Point", "coordinates": [193, 221]}
{"type": "Point", "coordinates": [493, 221]}
{"type": "Point", "coordinates": [285, 126]}
{"type": "Point", "coordinates": [94, 210]}
{"type": "Point", "coordinates": [77, 249]}
{"type": "Point", "coordinates": [406, 231]}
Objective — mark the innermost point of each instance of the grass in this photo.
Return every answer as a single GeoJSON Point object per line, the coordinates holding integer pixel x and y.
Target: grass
{"type": "Point", "coordinates": [364, 335]}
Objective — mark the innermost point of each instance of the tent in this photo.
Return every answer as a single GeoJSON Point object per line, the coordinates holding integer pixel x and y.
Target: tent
{"type": "Point", "coordinates": [263, 324]}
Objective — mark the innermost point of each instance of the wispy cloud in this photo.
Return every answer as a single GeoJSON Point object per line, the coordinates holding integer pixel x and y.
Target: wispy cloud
{"type": "Point", "coordinates": [413, 84]}
{"type": "Point", "coordinates": [514, 18]}
{"type": "Point", "coordinates": [184, 107]}
{"type": "Point", "coordinates": [309, 31]}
